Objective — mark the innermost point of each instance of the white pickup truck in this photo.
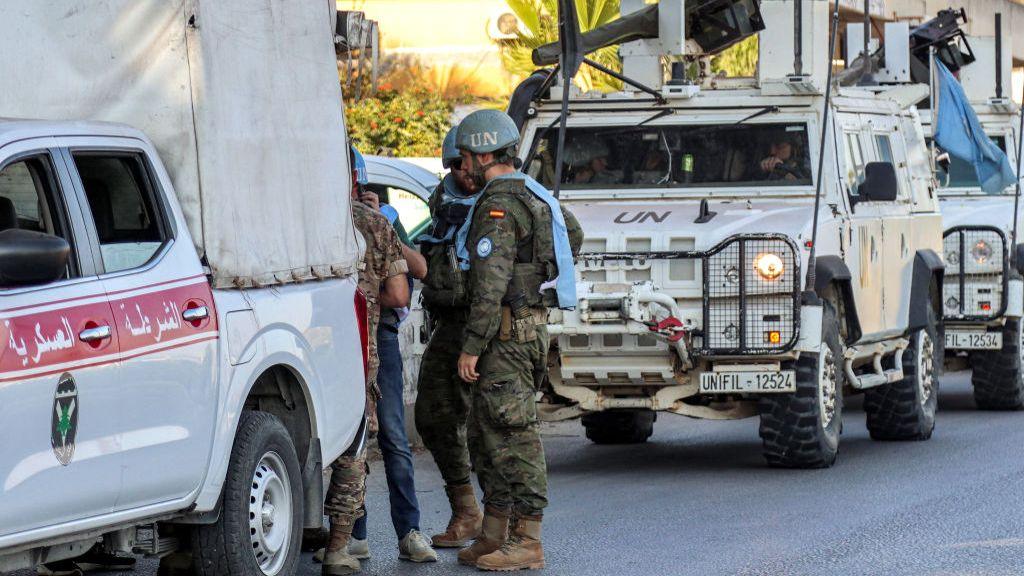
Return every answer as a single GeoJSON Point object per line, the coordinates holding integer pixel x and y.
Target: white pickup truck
{"type": "Point", "coordinates": [180, 347]}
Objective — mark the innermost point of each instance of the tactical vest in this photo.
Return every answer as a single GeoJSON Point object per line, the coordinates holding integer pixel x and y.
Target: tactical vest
{"type": "Point", "coordinates": [445, 283]}
{"type": "Point", "coordinates": [535, 263]}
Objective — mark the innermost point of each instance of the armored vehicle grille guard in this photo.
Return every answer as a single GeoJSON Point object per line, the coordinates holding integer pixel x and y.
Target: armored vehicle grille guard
{"type": "Point", "coordinates": [976, 273]}
{"type": "Point", "coordinates": [746, 310]}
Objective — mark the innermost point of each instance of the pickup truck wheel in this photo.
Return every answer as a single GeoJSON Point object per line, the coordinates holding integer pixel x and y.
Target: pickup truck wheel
{"type": "Point", "coordinates": [998, 375]}
{"type": "Point", "coordinates": [905, 410]}
{"type": "Point", "coordinates": [801, 429]}
{"type": "Point", "coordinates": [259, 532]}
{"type": "Point", "coordinates": [619, 426]}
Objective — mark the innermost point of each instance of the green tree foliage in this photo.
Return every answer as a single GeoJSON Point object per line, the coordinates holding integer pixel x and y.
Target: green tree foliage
{"type": "Point", "coordinates": [406, 123]}
{"type": "Point", "coordinates": [540, 19]}
{"type": "Point", "coordinates": [739, 60]}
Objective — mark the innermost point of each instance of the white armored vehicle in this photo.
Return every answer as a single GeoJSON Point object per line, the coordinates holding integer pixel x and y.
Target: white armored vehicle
{"type": "Point", "coordinates": [698, 204]}
{"type": "Point", "coordinates": [983, 295]}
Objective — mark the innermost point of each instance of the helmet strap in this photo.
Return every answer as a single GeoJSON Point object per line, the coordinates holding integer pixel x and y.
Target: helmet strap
{"type": "Point", "coordinates": [477, 171]}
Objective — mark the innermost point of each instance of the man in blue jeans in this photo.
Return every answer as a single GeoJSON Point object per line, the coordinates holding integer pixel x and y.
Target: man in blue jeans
{"type": "Point", "coordinates": [392, 438]}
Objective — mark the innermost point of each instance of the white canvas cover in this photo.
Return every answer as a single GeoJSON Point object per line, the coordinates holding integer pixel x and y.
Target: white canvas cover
{"type": "Point", "coordinates": [240, 97]}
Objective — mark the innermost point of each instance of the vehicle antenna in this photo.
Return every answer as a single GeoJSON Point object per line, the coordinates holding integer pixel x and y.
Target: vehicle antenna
{"type": "Point", "coordinates": [569, 63]}
{"type": "Point", "coordinates": [821, 151]}
{"type": "Point", "coordinates": [1016, 196]}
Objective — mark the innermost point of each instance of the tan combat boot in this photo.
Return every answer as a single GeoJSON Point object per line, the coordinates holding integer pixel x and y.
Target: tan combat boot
{"type": "Point", "coordinates": [466, 518]}
{"type": "Point", "coordinates": [522, 550]}
{"type": "Point", "coordinates": [493, 534]}
{"type": "Point", "coordinates": [337, 561]}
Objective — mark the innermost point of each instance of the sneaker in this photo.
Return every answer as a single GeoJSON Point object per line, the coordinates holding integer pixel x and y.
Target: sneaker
{"type": "Point", "coordinates": [416, 548]}
{"type": "Point", "coordinates": [59, 568]}
{"type": "Point", "coordinates": [359, 548]}
{"type": "Point", "coordinates": [96, 560]}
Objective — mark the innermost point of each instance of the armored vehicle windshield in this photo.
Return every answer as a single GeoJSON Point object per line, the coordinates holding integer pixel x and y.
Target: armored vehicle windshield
{"type": "Point", "coordinates": [961, 174]}
{"type": "Point", "coordinates": [676, 156]}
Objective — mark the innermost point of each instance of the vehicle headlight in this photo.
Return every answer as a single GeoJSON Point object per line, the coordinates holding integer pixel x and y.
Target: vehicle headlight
{"type": "Point", "coordinates": [981, 251]}
{"type": "Point", "coordinates": [769, 266]}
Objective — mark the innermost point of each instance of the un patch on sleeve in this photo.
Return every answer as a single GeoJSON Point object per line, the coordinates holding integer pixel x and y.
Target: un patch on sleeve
{"type": "Point", "coordinates": [484, 247]}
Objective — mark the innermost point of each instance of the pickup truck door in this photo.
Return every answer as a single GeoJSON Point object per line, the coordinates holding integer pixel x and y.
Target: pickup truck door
{"type": "Point", "coordinates": [164, 316]}
{"type": "Point", "coordinates": [60, 401]}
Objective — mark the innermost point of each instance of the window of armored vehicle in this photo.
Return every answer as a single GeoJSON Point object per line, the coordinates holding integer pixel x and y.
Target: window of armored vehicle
{"type": "Point", "coordinates": [961, 173]}
{"type": "Point", "coordinates": [676, 156]}
{"type": "Point", "coordinates": [854, 162]}
{"type": "Point", "coordinates": [413, 212]}
{"type": "Point", "coordinates": [884, 145]}
{"type": "Point", "coordinates": [124, 209]}
{"type": "Point", "coordinates": [30, 200]}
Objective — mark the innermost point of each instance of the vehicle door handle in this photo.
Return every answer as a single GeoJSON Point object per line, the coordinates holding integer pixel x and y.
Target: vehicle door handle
{"type": "Point", "coordinates": [195, 314]}
{"type": "Point", "coordinates": [94, 334]}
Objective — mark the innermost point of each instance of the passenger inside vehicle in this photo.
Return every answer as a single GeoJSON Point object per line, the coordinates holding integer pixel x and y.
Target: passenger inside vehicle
{"type": "Point", "coordinates": [677, 156]}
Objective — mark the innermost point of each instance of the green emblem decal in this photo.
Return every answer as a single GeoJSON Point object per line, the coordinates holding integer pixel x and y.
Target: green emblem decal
{"type": "Point", "coordinates": [64, 420]}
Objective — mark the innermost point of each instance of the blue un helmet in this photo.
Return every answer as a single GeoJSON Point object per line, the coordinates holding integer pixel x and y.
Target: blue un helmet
{"type": "Point", "coordinates": [359, 167]}
{"type": "Point", "coordinates": [486, 131]}
{"type": "Point", "coordinates": [449, 151]}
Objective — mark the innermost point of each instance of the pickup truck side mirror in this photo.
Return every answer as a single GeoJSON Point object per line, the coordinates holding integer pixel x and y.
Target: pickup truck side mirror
{"type": "Point", "coordinates": [28, 257]}
{"type": "Point", "coordinates": [880, 183]}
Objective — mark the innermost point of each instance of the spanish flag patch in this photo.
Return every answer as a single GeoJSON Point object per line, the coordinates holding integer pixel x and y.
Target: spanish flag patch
{"type": "Point", "coordinates": [497, 214]}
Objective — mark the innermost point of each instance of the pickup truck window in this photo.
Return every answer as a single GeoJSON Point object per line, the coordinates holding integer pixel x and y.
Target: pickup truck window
{"type": "Point", "coordinates": [413, 212]}
{"type": "Point", "coordinates": [29, 200]}
{"type": "Point", "coordinates": [128, 223]}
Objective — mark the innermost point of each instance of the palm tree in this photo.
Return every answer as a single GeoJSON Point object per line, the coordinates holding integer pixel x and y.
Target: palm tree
{"type": "Point", "coordinates": [540, 19]}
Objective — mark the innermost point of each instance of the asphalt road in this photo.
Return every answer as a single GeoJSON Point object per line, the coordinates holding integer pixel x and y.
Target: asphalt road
{"type": "Point", "coordinates": [698, 499]}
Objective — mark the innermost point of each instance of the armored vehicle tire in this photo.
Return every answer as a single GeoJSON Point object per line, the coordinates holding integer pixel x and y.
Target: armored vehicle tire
{"type": "Point", "coordinates": [259, 531]}
{"type": "Point", "coordinates": [905, 410]}
{"type": "Point", "coordinates": [801, 429]}
{"type": "Point", "coordinates": [619, 426]}
{"type": "Point", "coordinates": [998, 375]}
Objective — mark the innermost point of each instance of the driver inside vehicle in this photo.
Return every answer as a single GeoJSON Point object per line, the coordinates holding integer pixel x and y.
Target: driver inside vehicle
{"type": "Point", "coordinates": [783, 161]}
{"type": "Point", "coordinates": [587, 160]}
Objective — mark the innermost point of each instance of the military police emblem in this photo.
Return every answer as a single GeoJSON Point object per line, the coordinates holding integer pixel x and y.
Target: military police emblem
{"type": "Point", "coordinates": [64, 420]}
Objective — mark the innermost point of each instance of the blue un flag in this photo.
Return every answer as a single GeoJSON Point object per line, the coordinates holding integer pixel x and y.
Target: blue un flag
{"type": "Point", "coordinates": [958, 131]}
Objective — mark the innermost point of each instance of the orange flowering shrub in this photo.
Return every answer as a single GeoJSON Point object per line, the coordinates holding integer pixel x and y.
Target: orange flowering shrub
{"type": "Point", "coordinates": [403, 123]}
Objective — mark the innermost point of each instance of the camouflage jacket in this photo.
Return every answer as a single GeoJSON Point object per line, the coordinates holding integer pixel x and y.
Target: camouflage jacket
{"type": "Point", "coordinates": [504, 217]}
{"type": "Point", "coordinates": [383, 259]}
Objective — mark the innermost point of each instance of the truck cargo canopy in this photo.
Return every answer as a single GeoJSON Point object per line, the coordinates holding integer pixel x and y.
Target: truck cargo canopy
{"type": "Point", "coordinates": [240, 97]}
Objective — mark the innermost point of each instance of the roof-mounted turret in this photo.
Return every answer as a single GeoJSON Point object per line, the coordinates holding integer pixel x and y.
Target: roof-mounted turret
{"type": "Point", "coordinates": [686, 29]}
{"type": "Point", "coordinates": [905, 56]}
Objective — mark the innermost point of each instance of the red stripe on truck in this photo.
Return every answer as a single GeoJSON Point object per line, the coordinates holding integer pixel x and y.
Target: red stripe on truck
{"type": "Point", "coordinates": [37, 343]}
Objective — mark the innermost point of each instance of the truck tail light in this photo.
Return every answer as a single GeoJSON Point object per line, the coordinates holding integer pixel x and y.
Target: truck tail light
{"type": "Point", "coordinates": [363, 318]}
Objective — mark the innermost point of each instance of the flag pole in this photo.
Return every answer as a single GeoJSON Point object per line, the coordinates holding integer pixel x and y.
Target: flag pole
{"type": "Point", "coordinates": [933, 107]}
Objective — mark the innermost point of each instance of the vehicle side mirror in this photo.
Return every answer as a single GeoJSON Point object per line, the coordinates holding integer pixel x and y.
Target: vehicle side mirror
{"type": "Point", "coordinates": [880, 183]}
{"type": "Point", "coordinates": [28, 257]}
{"type": "Point", "coordinates": [1018, 254]}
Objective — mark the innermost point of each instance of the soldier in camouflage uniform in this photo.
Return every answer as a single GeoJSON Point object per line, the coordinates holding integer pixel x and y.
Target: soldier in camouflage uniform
{"type": "Point", "coordinates": [382, 279]}
{"type": "Point", "coordinates": [442, 401]}
{"type": "Point", "coordinates": [519, 245]}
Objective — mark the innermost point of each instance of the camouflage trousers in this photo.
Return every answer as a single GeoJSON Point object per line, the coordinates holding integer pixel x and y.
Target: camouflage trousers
{"type": "Point", "coordinates": [442, 401]}
{"type": "Point", "coordinates": [345, 495]}
{"type": "Point", "coordinates": [503, 429]}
